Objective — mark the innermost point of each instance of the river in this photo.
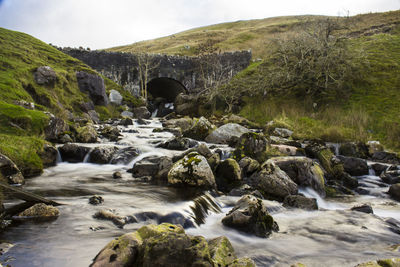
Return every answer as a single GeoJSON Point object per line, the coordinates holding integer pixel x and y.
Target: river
{"type": "Point", "coordinates": [331, 236]}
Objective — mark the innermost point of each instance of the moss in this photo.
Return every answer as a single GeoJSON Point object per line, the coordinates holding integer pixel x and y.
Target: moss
{"type": "Point", "coordinates": [317, 170]}
{"type": "Point", "coordinates": [330, 191]}
{"type": "Point", "coordinates": [153, 230]}
{"type": "Point", "coordinates": [221, 250]}
{"type": "Point", "coordinates": [243, 262]}
{"type": "Point", "coordinates": [389, 262]}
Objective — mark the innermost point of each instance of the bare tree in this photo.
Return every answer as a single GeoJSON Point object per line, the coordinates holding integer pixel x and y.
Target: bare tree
{"type": "Point", "coordinates": [146, 64]}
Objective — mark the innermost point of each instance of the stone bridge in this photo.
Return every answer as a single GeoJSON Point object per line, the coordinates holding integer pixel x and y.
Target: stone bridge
{"type": "Point", "coordinates": [167, 75]}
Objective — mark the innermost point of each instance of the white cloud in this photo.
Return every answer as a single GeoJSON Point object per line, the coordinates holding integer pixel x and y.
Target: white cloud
{"type": "Point", "coordinates": [106, 23]}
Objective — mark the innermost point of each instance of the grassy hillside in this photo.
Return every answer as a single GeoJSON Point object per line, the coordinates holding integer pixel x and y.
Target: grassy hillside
{"type": "Point", "coordinates": [21, 130]}
{"type": "Point", "coordinates": [251, 34]}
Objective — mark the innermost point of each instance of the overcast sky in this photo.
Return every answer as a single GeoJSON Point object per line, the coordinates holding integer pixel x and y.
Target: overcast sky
{"type": "Point", "coordinates": [107, 23]}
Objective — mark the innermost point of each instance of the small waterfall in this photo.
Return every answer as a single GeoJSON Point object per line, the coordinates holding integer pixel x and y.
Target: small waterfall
{"type": "Point", "coordinates": [371, 171]}
{"type": "Point", "coordinates": [154, 114]}
{"type": "Point", "coordinates": [335, 147]}
{"type": "Point", "coordinates": [202, 206]}
{"type": "Point", "coordinates": [322, 203]}
{"type": "Point", "coordinates": [87, 156]}
{"type": "Point", "coordinates": [59, 158]}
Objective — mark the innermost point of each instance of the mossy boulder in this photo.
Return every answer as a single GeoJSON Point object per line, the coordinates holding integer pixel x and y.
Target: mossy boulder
{"type": "Point", "coordinates": [38, 211]}
{"type": "Point", "coordinates": [48, 155]}
{"type": "Point", "coordinates": [356, 150]}
{"type": "Point", "coordinates": [183, 123]}
{"type": "Point", "coordinates": [192, 170]}
{"type": "Point", "coordinates": [251, 216]}
{"type": "Point", "coordinates": [165, 245]}
{"type": "Point", "coordinates": [200, 129]}
{"type": "Point", "coordinates": [249, 166]}
{"type": "Point", "coordinates": [253, 145]}
{"type": "Point", "coordinates": [86, 134]}
{"type": "Point", "coordinates": [227, 175]}
{"type": "Point", "coordinates": [303, 171]}
{"type": "Point", "coordinates": [272, 182]}
{"type": "Point", "coordinates": [110, 132]}
{"type": "Point", "coordinates": [395, 262]}
{"type": "Point", "coordinates": [331, 165]}
{"type": "Point", "coordinates": [354, 166]}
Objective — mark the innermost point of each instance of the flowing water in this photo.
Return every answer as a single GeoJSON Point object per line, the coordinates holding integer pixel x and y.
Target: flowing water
{"type": "Point", "coordinates": [331, 236]}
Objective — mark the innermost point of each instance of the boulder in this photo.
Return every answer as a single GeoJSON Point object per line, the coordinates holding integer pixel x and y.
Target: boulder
{"type": "Point", "coordinates": [126, 122]}
{"type": "Point", "coordinates": [141, 113]}
{"type": "Point", "coordinates": [386, 157]}
{"type": "Point", "coordinates": [178, 143]}
{"type": "Point", "coordinates": [366, 208]}
{"type": "Point", "coordinates": [102, 155]}
{"type": "Point", "coordinates": [155, 167]}
{"type": "Point", "coordinates": [354, 166]}
{"type": "Point", "coordinates": [251, 216]}
{"type": "Point", "coordinates": [248, 166]}
{"type": "Point", "coordinates": [110, 132]}
{"type": "Point", "coordinates": [282, 132]}
{"type": "Point", "coordinates": [186, 105]}
{"type": "Point", "coordinates": [272, 182]}
{"type": "Point", "coordinates": [93, 85]}
{"type": "Point", "coordinates": [86, 134]}
{"type": "Point", "coordinates": [214, 160]}
{"type": "Point", "coordinates": [55, 128]}
{"type": "Point", "coordinates": [374, 146]}
{"type": "Point", "coordinates": [287, 150]}
{"type": "Point", "coordinates": [39, 211]}
{"type": "Point", "coordinates": [124, 155]}
{"type": "Point", "coordinates": [117, 175]}
{"type": "Point", "coordinates": [355, 150]}
{"type": "Point", "coordinates": [225, 133]}
{"type": "Point", "coordinates": [109, 216]}
{"type": "Point", "coordinates": [394, 191]}
{"type": "Point", "coordinates": [127, 114]}
{"type": "Point", "coordinates": [227, 175]}
{"type": "Point", "coordinates": [65, 138]}
{"type": "Point", "coordinates": [395, 262]}
{"type": "Point", "coordinates": [379, 168]}
{"type": "Point", "coordinates": [253, 145]}
{"type": "Point", "coordinates": [45, 75]}
{"type": "Point", "coordinates": [300, 202]}
{"type": "Point", "coordinates": [204, 150]}
{"type": "Point", "coordinates": [48, 155]}
{"type": "Point", "coordinates": [9, 171]}
{"type": "Point", "coordinates": [183, 123]}
{"type": "Point", "coordinates": [200, 129]}
{"type": "Point", "coordinates": [115, 97]}
{"type": "Point", "coordinates": [303, 171]}
{"type": "Point", "coordinates": [284, 141]}
{"type": "Point", "coordinates": [167, 245]}
{"type": "Point", "coordinates": [73, 153]}
{"type": "Point", "coordinates": [96, 200]}
{"type": "Point", "coordinates": [192, 170]}
{"type": "Point", "coordinates": [391, 176]}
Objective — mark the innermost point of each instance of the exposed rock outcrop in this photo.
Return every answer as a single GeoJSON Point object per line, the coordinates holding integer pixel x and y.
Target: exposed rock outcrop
{"type": "Point", "coordinates": [9, 171]}
{"type": "Point", "coordinates": [93, 85]}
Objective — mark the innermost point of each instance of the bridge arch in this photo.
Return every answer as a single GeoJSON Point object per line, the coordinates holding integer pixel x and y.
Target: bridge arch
{"type": "Point", "coordinates": [166, 88]}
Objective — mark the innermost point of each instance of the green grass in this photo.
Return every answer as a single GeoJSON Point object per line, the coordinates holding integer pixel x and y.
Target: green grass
{"type": "Point", "coordinates": [21, 130]}
{"type": "Point", "coordinates": [248, 34]}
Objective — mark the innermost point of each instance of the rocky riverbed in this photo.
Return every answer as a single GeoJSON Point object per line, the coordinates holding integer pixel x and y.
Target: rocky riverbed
{"type": "Point", "coordinates": [279, 201]}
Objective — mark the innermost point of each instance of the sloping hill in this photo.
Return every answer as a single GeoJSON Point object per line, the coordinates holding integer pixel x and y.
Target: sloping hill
{"type": "Point", "coordinates": [251, 34]}
{"type": "Point", "coordinates": [22, 130]}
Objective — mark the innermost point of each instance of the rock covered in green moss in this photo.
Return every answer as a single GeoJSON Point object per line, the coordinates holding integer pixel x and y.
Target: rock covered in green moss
{"type": "Point", "coordinates": [272, 182]}
{"type": "Point", "coordinates": [249, 166]}
{"type": "Point", "coordinates": [200, 129]}
{"type": "Point", "coordinates": [301, 202]}
{"type": "Point", "coordinates": [395, 262]}
{"type": "Point", "coordinates": [192, 170]}
{"type": "Point", "coordinates": [9, 171]}
{"type": "Point", "coordinates": [251, 216]}
{"type": "Point", "coordinates": [356, 150]}
{"type": "Point", "coordinates": [183, 123]}
{"type": "Point", "coordinates": [166, 245]}
{"type": "Point", "coordinates": [227, 175]}
{"type": "Point", "coordinates": [39, 211]}
{"type": "Point", "coordinates": [87, 134]}
{"type": "Point", "coordinates": [303, 171]}
{"type": "Point", "coordinates": [253, 145]}
{"type": "Point", "coordinates": [48, 155]}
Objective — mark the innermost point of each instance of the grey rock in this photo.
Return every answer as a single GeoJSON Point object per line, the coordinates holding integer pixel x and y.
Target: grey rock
{"type": "Point", "coordinates": [391, 177]}
{"type": "Point", "coordinates": [93, 85]}
{"type": "Point", "coordinates": [250, 215]}
{"type": "Point", "coordinates": [115, 97]}
{"type": "Point", "coordinates": [45, 75]}
{"type": "Point", "coordinates": [96, 200]}
{"type": "Point", "coordinates": [94, 116]}
{"type": "Point", "coordinates": [227, 175]}
{"type": "Point", "coordinates": [127, 114]}
{"type": "Point", "coordinates": [354, 166]}
{"type": "Point", "coordinates": [124, 155]}
{"type": "Point", "coordinates": [55, 128]}
{"type": "Point", "coordinates": [272, 182]}
{"type": "Point", "coordinates": [301, 202]}
{"type": "Point", "coordinates": [73, 153]}
{"type": "Point", "coordinates": [102, 155]}
{"type": "Point", "coordinates": [386, 157]}
{"type": "Point", "coordinates": [394, 191]}
{"type": "Point", "coordinates": [178, 143]}
{"type": "Point", "coordinates": [282, 132]}
{"type": "Point", "coordinates": [200, 129]}
{"type": "Point", "coordinates": [366, 208]}
{"type": "Point", "coordinates": [225, 133]}
{"type": "Point", "coordinates": [141, 113]}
